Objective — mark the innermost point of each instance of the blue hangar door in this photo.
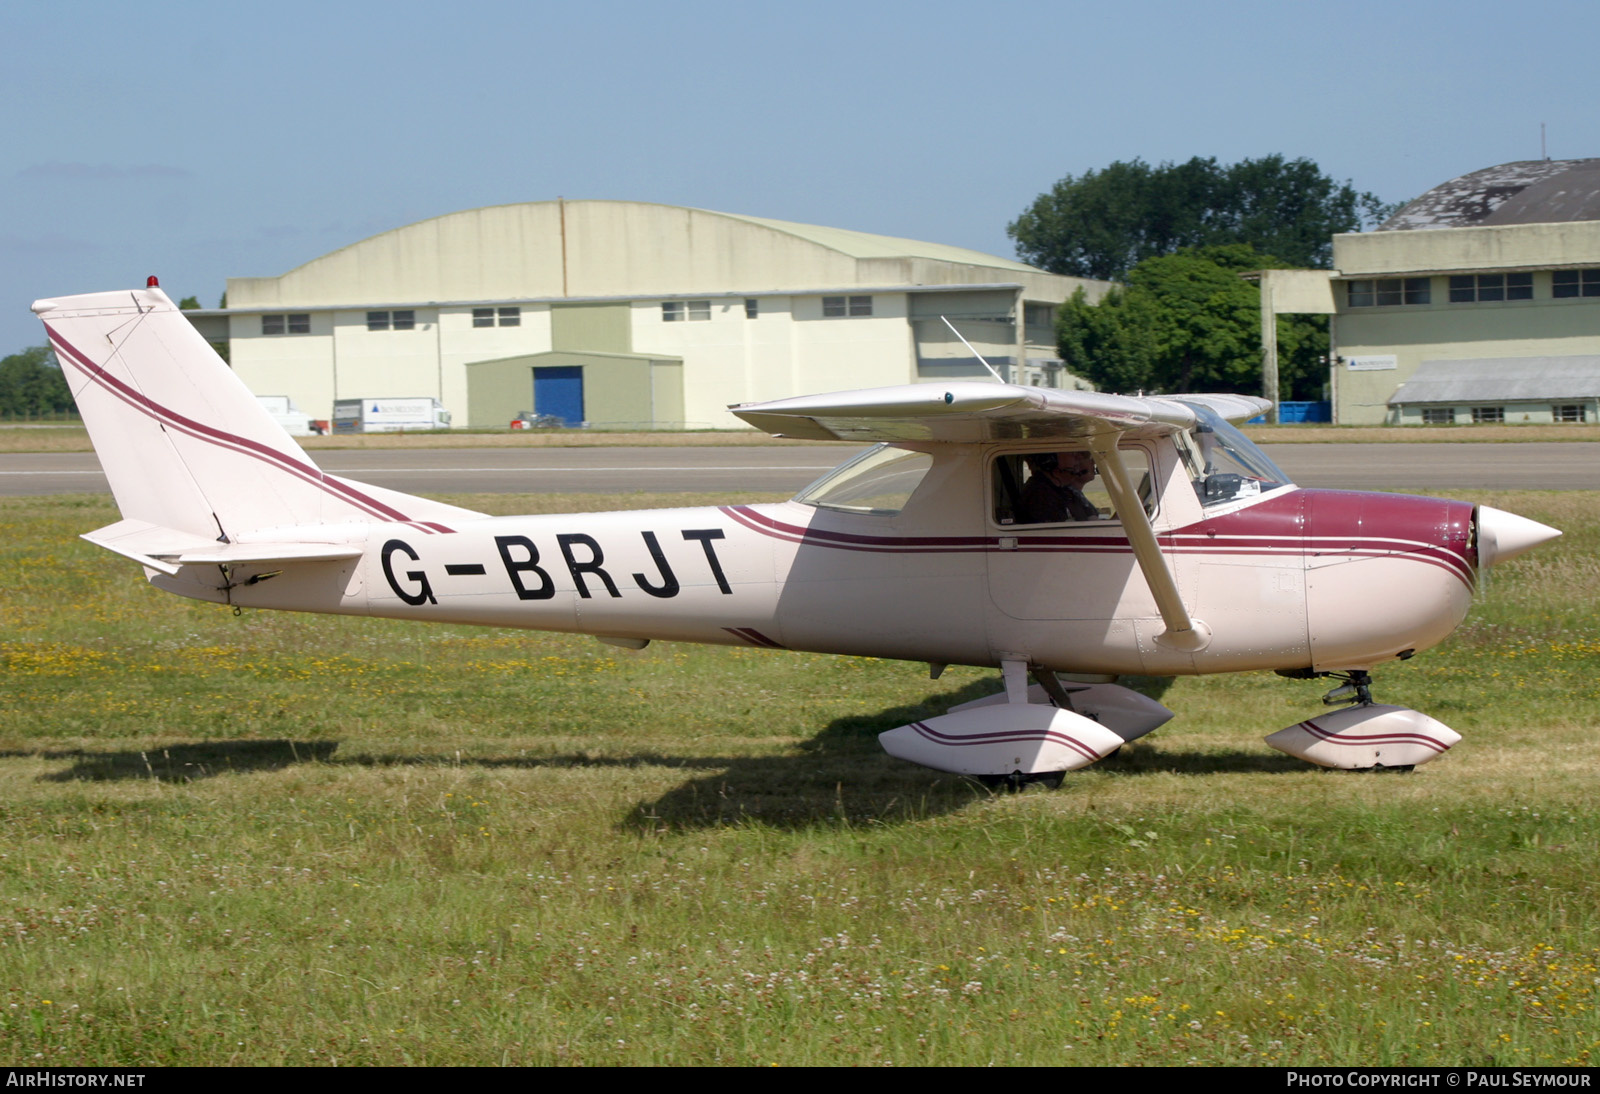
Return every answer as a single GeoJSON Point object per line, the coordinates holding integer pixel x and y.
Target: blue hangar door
{"type": "Point", "coordinates": [559, 392]}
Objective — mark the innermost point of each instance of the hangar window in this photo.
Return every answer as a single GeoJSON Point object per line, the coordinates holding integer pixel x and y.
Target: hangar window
{"type": "Point", "coordinates": [293, 323]}
{"type": "Point", "coordinates": [508, 317]}
{"type": "Point", "coordinates": [405, 319]}
{"type": "Point", "coordinates": [1488, 414]}
{"type": "Point", "coordinates": [685, 311]}
{"type": "Point", "coordinates": [1438, 415]}
{"type": "Point", "coordinates": [1565, 283]}
{"type": "Point", "coordinates": [834, 307]}
{"type": "Point", "coordinates": [1569, 412]}
{"type": "Point", "coordinates": [1481, 288]}
{"type": "Point", "coordinates": [752, 307]}
{"type": "Point", "coordinates": [1388, 291]}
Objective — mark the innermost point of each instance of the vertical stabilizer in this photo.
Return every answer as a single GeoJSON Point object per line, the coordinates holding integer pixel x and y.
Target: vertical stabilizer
{"type": "Point", "coordinates": [183, 442]}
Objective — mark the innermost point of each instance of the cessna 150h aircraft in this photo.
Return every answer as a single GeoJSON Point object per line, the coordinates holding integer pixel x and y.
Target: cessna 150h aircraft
{"type": "Point", "coordinates": [1193, 553]}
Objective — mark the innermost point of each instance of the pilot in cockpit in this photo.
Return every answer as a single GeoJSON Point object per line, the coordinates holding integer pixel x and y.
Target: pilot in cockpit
{"type": "Point", "coordinates": [1054, 490]}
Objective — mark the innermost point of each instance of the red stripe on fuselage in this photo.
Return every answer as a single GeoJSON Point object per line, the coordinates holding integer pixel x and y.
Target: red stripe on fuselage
{"type": "Point", "coordinates": [1308, 524]}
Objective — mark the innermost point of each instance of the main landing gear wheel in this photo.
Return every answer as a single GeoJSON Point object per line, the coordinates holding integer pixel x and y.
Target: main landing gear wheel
{"type": "Point", "coordinates": [1016, 782]}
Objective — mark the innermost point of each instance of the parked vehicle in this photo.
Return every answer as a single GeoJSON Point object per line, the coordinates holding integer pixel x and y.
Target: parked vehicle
{"type": "Point", "coordinates": [295, 422]}
{"type": "Point", "coordinates": [383, 415]}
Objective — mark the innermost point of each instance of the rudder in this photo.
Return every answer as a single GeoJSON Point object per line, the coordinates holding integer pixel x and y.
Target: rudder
{"type": "Point", "coordinates": [183, 442]}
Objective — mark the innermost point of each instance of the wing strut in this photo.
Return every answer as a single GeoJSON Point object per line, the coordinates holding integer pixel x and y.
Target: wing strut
{"type": "Point", "coordinates": [1182, 633]}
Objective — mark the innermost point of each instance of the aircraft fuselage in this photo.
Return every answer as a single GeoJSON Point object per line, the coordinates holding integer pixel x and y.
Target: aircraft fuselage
{"type": "Point", "coordinates": [1295, 579]}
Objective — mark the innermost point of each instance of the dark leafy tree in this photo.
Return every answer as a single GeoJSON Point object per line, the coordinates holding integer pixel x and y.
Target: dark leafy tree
{"type": "Point", "coordinates": [1188, 322]}
{"type": "Point", "coordinates": [31, 385]}
{"type": "Point", "coordinates": [1103, 223]}
{"type": "Point", "coordinates": [189, 303]}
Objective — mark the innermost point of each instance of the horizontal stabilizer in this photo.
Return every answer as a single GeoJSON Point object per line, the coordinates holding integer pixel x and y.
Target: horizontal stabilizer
{"type": "Point", "coordinates": [168, 550]}
{"type": "Point", "coordinates": [230, 554]}
{"type": "Point", "coordinates": [147, 544]}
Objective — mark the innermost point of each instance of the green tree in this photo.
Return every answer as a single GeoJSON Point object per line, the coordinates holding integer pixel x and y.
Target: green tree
{"type": "Point", "coordinates": [1187, 322]}
{"type": "Point", "coordinates": [1112, 343]}
{"type": "Point", "coordinates": [31, 385]}
{"type": "Point", "coordinates": [1103, 223]}
{"type": "Point", "coordinates": [190, 303]}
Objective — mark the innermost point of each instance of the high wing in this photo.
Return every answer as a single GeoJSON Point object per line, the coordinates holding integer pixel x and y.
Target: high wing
{"type": "Point", "coordinates": [974, 411]}
{"type": "Point", "coordinates": [1235, 409]}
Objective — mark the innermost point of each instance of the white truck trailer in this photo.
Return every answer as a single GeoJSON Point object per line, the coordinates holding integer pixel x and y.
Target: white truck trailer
{"type": "Point", "coordinates": [295, 422]}
{"type": "Point", "coordinates": [388, 415]}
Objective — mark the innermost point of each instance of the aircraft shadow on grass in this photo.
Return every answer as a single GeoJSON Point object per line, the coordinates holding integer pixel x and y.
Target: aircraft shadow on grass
{"type": "Point", "coordinates": [840, 775]}
{"type": "Point", "coordinates": [187, 762]}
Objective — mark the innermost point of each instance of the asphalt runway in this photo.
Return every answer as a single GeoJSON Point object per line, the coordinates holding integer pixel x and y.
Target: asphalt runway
{"type": "Point", "coordinates": [1571, 465]}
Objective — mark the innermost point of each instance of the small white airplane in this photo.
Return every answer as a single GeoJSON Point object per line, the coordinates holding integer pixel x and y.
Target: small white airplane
{"type": "Point", "coordinates": [974, 533]}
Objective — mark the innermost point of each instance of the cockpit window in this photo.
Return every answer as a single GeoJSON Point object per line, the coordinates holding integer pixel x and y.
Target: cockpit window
{"type": "Point", "coordinates": [1036, 488]}
{"type": "Point", "coordinates": [879, 481]}
{"type": "Point", "coordinates": [1223, 463]}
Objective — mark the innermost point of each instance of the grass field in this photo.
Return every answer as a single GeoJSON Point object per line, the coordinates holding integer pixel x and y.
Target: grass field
{"type": "Point", "coordinates": [276, 839]}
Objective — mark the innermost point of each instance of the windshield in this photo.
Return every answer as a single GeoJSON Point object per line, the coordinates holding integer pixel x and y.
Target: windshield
{"type": "Point", "coordinates": [879, 481]}
{"type": "Point", "coordinates": [1223, 463]}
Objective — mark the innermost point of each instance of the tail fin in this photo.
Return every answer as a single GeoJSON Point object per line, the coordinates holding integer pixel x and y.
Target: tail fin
{"type": "Point", "coordinates": [183, 442]}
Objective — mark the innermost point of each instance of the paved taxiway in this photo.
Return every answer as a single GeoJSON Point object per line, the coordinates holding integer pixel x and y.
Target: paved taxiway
{"type": "Point", "coordinates": [1441, 466]}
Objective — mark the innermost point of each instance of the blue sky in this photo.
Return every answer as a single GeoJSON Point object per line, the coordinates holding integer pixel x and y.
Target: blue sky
{"type": "Point", "coordinates": [202, 141]}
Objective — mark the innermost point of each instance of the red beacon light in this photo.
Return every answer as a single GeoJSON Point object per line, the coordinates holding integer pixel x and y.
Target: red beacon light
{"type": "Point", "coordinates": [151, 282]}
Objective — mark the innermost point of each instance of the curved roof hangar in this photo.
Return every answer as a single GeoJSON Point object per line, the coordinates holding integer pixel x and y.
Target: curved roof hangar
{"type": "Point", "coordinates": [596, 249]}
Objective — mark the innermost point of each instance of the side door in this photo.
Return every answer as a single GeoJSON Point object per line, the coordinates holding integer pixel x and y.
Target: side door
{"type": "Point", "coordinates": [1060, 568]}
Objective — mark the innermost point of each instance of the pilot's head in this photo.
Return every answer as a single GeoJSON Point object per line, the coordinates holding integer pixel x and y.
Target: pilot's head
{"type": "Point", "coordinates": [1064, 468]}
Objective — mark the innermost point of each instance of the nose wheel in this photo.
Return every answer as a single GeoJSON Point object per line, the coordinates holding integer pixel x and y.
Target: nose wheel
{"type": "Point", "coordinates": [1357, 688]}
{"type": "Point", "coordinates": [1363, 736]}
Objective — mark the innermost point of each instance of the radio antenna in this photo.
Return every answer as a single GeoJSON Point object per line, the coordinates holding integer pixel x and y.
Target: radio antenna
{"type": "Point", "coordinates": [975, 353]}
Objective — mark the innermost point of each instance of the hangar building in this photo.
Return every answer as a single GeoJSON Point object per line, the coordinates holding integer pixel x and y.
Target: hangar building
{"type": "Point", "coordinates": [630, 314]}
{"type": "Point", "coordinates": [1477, 302]}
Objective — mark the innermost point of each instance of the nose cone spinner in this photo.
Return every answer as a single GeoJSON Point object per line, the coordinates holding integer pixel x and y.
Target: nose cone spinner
{"type": "Point", "coordinates": [1503, 535]}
